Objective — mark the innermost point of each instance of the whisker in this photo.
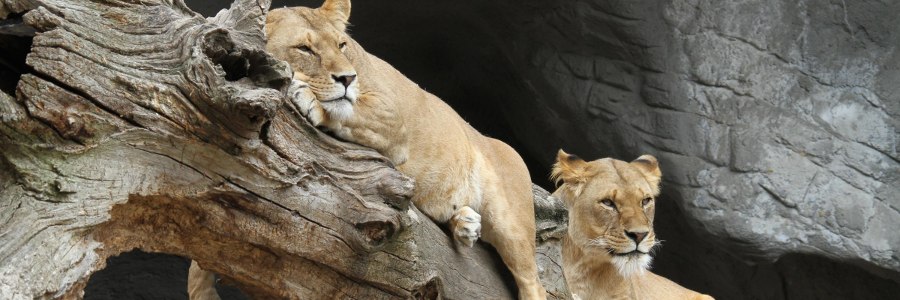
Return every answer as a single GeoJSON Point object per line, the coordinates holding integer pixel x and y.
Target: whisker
{"type": "Point", "coordinates": [599, 243]}
{"type": "Point", "coordinates": [656, 247]}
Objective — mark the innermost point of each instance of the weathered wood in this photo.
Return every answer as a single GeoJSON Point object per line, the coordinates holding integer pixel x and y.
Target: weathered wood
{"type": "Point", "coordinates": [141, 124]}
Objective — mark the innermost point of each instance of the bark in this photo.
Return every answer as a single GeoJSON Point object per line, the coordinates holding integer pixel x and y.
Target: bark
{"type": "Point", "coordinates": [142, 125]}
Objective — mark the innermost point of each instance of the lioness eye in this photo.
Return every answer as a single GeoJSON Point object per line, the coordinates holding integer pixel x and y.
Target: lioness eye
{"type": "Point", "coordinates": [343, 45]}
{"type": "Point", "coordinates": [646, 201]}
{"type": "Point", "coordinates": [304, 48]}
{"type": "Point", "coordinates": [608, 202]}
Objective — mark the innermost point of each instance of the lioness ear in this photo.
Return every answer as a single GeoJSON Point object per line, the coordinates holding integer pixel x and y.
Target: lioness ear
{"type": "Point", "coordinates": [569, 169]}
{"type": "Point", "coordinates": [337, 10]}
{"type": "Point", "coordinates": [649, 166]}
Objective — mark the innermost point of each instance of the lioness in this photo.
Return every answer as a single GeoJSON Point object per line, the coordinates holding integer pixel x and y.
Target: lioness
{"type": "Point", "coordinates": [606, 251]}
{"type": "Point", "coordinates": [460, 174]}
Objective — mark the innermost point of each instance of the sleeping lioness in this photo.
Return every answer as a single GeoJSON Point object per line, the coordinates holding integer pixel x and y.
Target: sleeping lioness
{"type": "Point", "coordinates": [606, 250]}
{"type": "Point", "coordinates": [477, 185]}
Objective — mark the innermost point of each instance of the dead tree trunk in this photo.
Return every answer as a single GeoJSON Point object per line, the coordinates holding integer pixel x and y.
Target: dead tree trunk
{"type": "Point", "coordinates": [142, 125]}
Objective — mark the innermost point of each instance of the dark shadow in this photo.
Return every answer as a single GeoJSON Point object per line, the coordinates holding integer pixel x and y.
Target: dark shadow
{"type": "Point", "coordinates": [142, 275]}
{"type": "Point", "coordinates": [15, 43]}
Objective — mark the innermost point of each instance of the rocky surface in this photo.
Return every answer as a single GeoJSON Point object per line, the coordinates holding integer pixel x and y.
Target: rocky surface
{"type": "Point", "coordinates": [798, 128]}
{"type": "Point", "coordinates": [776, 122]}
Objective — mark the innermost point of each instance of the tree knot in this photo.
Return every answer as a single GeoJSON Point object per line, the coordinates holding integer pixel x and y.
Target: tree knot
{"type": "Point", "coordinates": [430, 290]}
{"type": "Point", "coordinates": [377, 233]}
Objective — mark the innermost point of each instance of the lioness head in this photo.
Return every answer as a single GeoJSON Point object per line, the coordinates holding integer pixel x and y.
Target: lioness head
{"type": "Point", "coordinates": [314, 43]}
{"type": "Point", "coordinates": [611, 205]}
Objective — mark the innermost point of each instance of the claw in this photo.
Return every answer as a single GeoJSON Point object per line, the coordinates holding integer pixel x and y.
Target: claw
{"type": "Point", "coordinates": [466, 225]}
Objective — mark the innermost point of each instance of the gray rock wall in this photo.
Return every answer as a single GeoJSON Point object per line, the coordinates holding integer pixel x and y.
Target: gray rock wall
{"type": "Point", "coordinates": [776, 122]}
{"type": "Point", "coordinates": [795, 94]}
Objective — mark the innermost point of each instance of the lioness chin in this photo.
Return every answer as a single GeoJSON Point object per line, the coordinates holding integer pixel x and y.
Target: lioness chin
{"type": "Point", "coordinates": [460, 174]}
{"type": "Point", "coordinates": [607, 248]}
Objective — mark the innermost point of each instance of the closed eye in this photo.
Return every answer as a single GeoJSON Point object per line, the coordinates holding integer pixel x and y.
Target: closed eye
{"type": "Point", "coordinates": [304, 48]}
{"type": "Point", "coordinates": [343, 45]}
{"type": "Point", "coordinates": [608, 203]}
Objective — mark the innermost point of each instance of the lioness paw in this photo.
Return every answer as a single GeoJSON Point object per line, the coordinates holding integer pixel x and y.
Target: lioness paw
{"type": "Point", "coordinates": [305, 100]}
{"type": "Point", "coordinates": [466, 226]}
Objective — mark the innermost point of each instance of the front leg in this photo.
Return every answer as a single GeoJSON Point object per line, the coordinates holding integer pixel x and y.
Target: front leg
{"type": "Point", "coordinates": [465, 226]}
{"type": "Point", "coordinates": [370, 122]}
{"type": "Point", "coordinates": [201, 283]}
{"type": "Point", "coordinates": [305, 101]}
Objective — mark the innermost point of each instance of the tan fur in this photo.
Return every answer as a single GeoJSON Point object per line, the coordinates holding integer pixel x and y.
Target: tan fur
{"type": "Point", "coordinates": [201, 283]}
{"type": "Point", "coordinates": [477, 185]}
{"type": "Point", "coordinates": [608, 200]}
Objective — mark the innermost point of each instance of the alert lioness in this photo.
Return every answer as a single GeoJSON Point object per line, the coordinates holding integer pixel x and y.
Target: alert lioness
{"type": "Point", "coordinates": [460, 174]}
{"type": "Point", "coordinates": [606, 250]}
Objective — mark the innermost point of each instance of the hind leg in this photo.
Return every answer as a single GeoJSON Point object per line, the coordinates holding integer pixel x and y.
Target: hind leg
{"type": "Point", "coordinates": [465, 226]}
{"type": "Point", "coordinates": [201, 283]}
{"type": "Point", "coordinates": [510, 229]}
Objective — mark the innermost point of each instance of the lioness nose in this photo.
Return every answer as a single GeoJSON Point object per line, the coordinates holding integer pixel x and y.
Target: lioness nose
{"type": "Point", "coordinates": [636, 236]}
{"type": "Point", "coordinates": [346, 80]}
